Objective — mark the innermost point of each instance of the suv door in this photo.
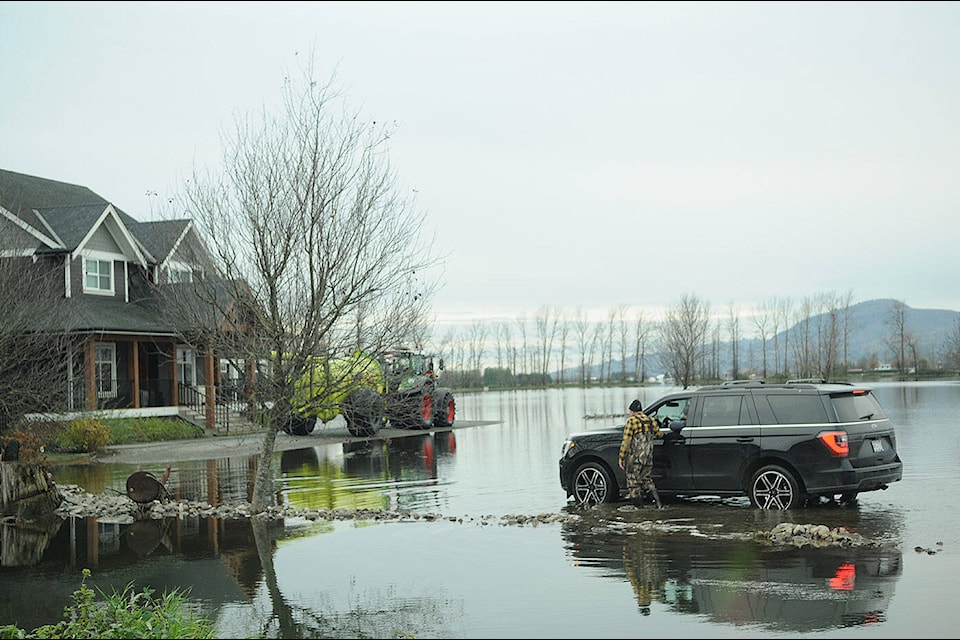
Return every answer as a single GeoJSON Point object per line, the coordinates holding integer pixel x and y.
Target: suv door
{"type": "Point", "coordinates": [721, 438]}
{"type": "Point", "coordinates": [671, 464]}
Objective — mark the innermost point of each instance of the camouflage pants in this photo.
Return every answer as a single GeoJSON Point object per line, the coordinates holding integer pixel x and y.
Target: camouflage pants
{"type": "Point", "coordinates": [639, 466]}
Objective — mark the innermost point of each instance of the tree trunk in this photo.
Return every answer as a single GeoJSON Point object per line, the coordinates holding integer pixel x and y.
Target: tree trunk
{"type": "Point", "coordinates": [26, 492]}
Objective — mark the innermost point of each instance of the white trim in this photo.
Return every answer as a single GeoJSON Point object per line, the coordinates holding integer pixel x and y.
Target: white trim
{"type": "Point", "coordinates": [100, 257]}
{"type": "Point", "coordinates": [50, 229]}
{"type": "Point", "coordinates": [176, 244]}
{"type": "Point", "coordinates": [112, 347]}
{"type": "Point", "coordinates": [113, 224]}
{"type": "Point", "coordinates": [17, 220]}
{"type": "Point", "coordinates": [67, 274]}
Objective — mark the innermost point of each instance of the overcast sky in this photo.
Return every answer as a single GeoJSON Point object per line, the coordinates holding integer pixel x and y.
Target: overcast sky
{"type": "Point", "coordinates": [573, 155]}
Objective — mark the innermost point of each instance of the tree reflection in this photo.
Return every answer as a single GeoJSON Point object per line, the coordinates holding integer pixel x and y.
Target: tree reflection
{"type": "Point", "coordinates": [384, 616]}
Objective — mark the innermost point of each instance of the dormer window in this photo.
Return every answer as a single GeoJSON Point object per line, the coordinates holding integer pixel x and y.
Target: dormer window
{"type": "Point", "coordinates": [97, 275]}
{"type": "Point", "coordinates": [179, 275]}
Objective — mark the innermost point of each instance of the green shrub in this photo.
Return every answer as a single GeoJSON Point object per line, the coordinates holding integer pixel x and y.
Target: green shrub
{"type": "Point", "coordinates": [122, 615]}
{"type": "Point", "coordinates": [83, 435]}
{"type": "Point", "coordinates": [155, 429]}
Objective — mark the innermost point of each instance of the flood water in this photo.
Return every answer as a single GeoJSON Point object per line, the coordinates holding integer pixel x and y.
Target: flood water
{"type": "Point", "coordinates": [467, 570]}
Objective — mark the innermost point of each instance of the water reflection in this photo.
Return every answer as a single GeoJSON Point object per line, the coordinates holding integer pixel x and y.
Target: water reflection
{"type": "Point", "coordinates": [779, 589]}
{"type": "Point", "coordinates": [390, 473]}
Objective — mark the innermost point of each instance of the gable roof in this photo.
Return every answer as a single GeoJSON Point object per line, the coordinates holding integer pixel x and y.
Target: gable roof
{"type": "Point", "coordinates": [61, 216]}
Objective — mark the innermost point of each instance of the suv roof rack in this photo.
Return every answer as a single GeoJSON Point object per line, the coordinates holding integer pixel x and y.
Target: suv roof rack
{"type": "Point", "coordinates": [814, 381]}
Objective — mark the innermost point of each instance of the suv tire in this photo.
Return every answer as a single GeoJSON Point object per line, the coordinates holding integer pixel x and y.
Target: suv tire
{"type": "Point", "coordinates": [773, 487]}
{"type": "Point", "coordinates": [593, 484]}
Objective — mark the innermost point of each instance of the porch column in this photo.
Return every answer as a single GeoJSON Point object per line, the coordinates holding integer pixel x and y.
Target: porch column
{"type": "Point", "coordinates": [211, 388]}
{"type": "Point", "coordinates": [89, 376]}
{"type": "Point", "coordinates": [135, 363]}
{"type": "Point", "coordinates": [175, 377]}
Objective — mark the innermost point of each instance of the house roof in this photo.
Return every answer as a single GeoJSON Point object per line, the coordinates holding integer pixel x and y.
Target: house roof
{"type": "Point", "coordinates": [61, 216]}
{"type": "Point", "coordinates": [108, 315]}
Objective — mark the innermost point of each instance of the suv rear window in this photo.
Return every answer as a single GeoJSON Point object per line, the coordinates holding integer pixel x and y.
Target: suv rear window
{"type": "Point", "coordinates": [793, 409]}
{"type": "Point", "coordinates": [857, 407]}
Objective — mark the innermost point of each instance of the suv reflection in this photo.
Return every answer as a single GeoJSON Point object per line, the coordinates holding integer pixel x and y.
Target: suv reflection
{"type": "Point", "coordinates": [785, 590]}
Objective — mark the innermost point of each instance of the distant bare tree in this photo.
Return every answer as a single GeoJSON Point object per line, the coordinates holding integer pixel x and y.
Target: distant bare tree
{"type": "Point", "coordinates": [762, 317]}
{"type": "Point", "coordinates": [316, 248]}
{"type": "Point", "coordinates": [546, 324]}
{"type": "Point", "coordinates": [733, 326]}
{"type": "Point", "coordinates": [641, 334]}
{"type": "Point", "coordinates": [899, 336]}
{"type": "Point", "coordinates": [477, 345]}
{"type": "Point", "coordinates": [581, 327]}
{"type": "Point", "coordinates": [563, 337]}
{"type": "Point", "coordinates": [523, 367]}
{"type": "Point", "coordinates": [502, 345]}
{"type": "Point", "coordinates": [682, 338]}
{"type": "Point", "coordinates": [784, 313]}
{"type": "Point", "coordinates": [951, 347]}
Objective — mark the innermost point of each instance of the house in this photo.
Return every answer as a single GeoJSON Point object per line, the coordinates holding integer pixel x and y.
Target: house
{"type": "Point", "coordinates": [123, 353]}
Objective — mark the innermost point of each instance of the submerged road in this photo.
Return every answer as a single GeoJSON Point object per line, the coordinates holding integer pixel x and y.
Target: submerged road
{"type": "Point", "coordinates": [246, 444]}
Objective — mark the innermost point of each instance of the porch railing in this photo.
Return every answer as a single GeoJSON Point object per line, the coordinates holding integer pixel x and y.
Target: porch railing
{"type": "Point", "coordinates": [192, 398]}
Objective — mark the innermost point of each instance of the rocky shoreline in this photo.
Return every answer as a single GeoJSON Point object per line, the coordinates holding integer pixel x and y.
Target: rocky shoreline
{"type": "Point", "coordinates": [121, 509]}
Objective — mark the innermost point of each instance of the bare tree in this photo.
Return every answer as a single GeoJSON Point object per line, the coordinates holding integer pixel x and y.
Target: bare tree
{"type": "Point", "coordinates": [641, 334]}
{"type": "Point", "coordinates": [951, 347]}
{"type": "Point", "coordinates": [900, 336]}
{"type": "Point", "coordinates": [581, 326]}
{"type": "Point", "coordinates": [317, 250]}
{"type": "Point", "coordinates": [784, 314]}
{"type": "Point", "coordinates": [733, 326]}
{"type": "Point", "coordinates": [683, 336]}
{"type": "Point", "coordinates": [35, 372]}
{"type": "Point", "coordinates": [502, 344]}
{"type": "Point", "coordinates": [761, 321]}
{"type": "Point", "coordinates": [477, 344]}
{"type": "Point", "coordinates": [563, 336]}
{"type": "Point", "coordinates": [547, 324]}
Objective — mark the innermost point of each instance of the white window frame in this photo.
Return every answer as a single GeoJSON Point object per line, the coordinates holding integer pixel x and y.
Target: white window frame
{"type": "Point", "coordinates": [187, 366]}
{"type": "Point", "coordinates": [105, 360]}
{"type": "Point", "coordinates": [179, 272]}
{"type": "Point", "coordinates": [88, 272]}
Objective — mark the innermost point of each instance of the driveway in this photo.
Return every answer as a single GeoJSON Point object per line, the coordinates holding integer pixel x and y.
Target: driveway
{"type": "Point", "coordinates": [247, 444]}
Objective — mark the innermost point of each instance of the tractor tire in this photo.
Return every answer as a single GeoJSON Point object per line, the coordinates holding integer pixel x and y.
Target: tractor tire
{"type": "Point", "coordinates": [412, 412]}
{"type": "Point", "coordinates": [363, 412]}
{"type": "Point", "coordinates": [445, 411]}
{"type": "Point", "coordinates": [299, 425]}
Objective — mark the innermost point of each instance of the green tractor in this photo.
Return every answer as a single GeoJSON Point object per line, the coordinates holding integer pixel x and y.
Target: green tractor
{"type": "Point", "coordinates": [414, 398]}
{"type": "Point", "coordinates": [399, 386]}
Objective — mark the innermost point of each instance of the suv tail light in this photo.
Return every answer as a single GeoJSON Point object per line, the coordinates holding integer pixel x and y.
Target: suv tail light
{"type": "Point", "coordinates": [836, 442]}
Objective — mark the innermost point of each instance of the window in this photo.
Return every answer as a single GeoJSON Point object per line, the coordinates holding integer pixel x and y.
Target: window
{"type": "Point", "coordinates": [797, 409]}
{"type": "Point", "coordinates": [97, 275]}
{"type": "Point", "coordinates": [179, 275]}
{"type": "Point", "coordinates": [105, 369]}
{"type": "Point", "coordinates": [187, 366]}
{"type": "Point", "coordinates": [721, 411]}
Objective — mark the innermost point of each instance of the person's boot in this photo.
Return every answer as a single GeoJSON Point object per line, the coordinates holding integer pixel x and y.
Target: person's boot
{"type": "Point", "coordinates": [656, 498]}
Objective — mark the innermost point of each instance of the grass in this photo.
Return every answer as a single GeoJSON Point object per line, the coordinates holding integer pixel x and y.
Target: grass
{"type": "Point", "coordinates": [122, 615]}
{"type": "Point", "coordinates": [61, 442]}
{"type": "Point", "coordinates": [137, 430]}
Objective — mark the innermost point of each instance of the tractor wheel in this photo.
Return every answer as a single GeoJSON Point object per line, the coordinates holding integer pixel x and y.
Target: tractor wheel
{"type": "Point", "coordinates": [420, 412]}
{"type": "Point", "coordinates": [445, 411]}
{"type": "Point", "coordinates": [363, 412]}
{"type": "Point", "coordinates": [299, 425]}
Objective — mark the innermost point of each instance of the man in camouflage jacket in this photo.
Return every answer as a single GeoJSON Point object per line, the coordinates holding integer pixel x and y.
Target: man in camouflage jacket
{"type": "Point", "coordinates": [636, 453]}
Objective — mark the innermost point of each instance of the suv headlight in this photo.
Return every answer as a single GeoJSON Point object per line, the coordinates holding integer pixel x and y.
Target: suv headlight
{"type": "Point", "coordinates": [568, 445]}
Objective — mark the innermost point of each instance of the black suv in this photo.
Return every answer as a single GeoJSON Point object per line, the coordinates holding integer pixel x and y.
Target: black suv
{"type": "Point", "coordinates": [781, 445]}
